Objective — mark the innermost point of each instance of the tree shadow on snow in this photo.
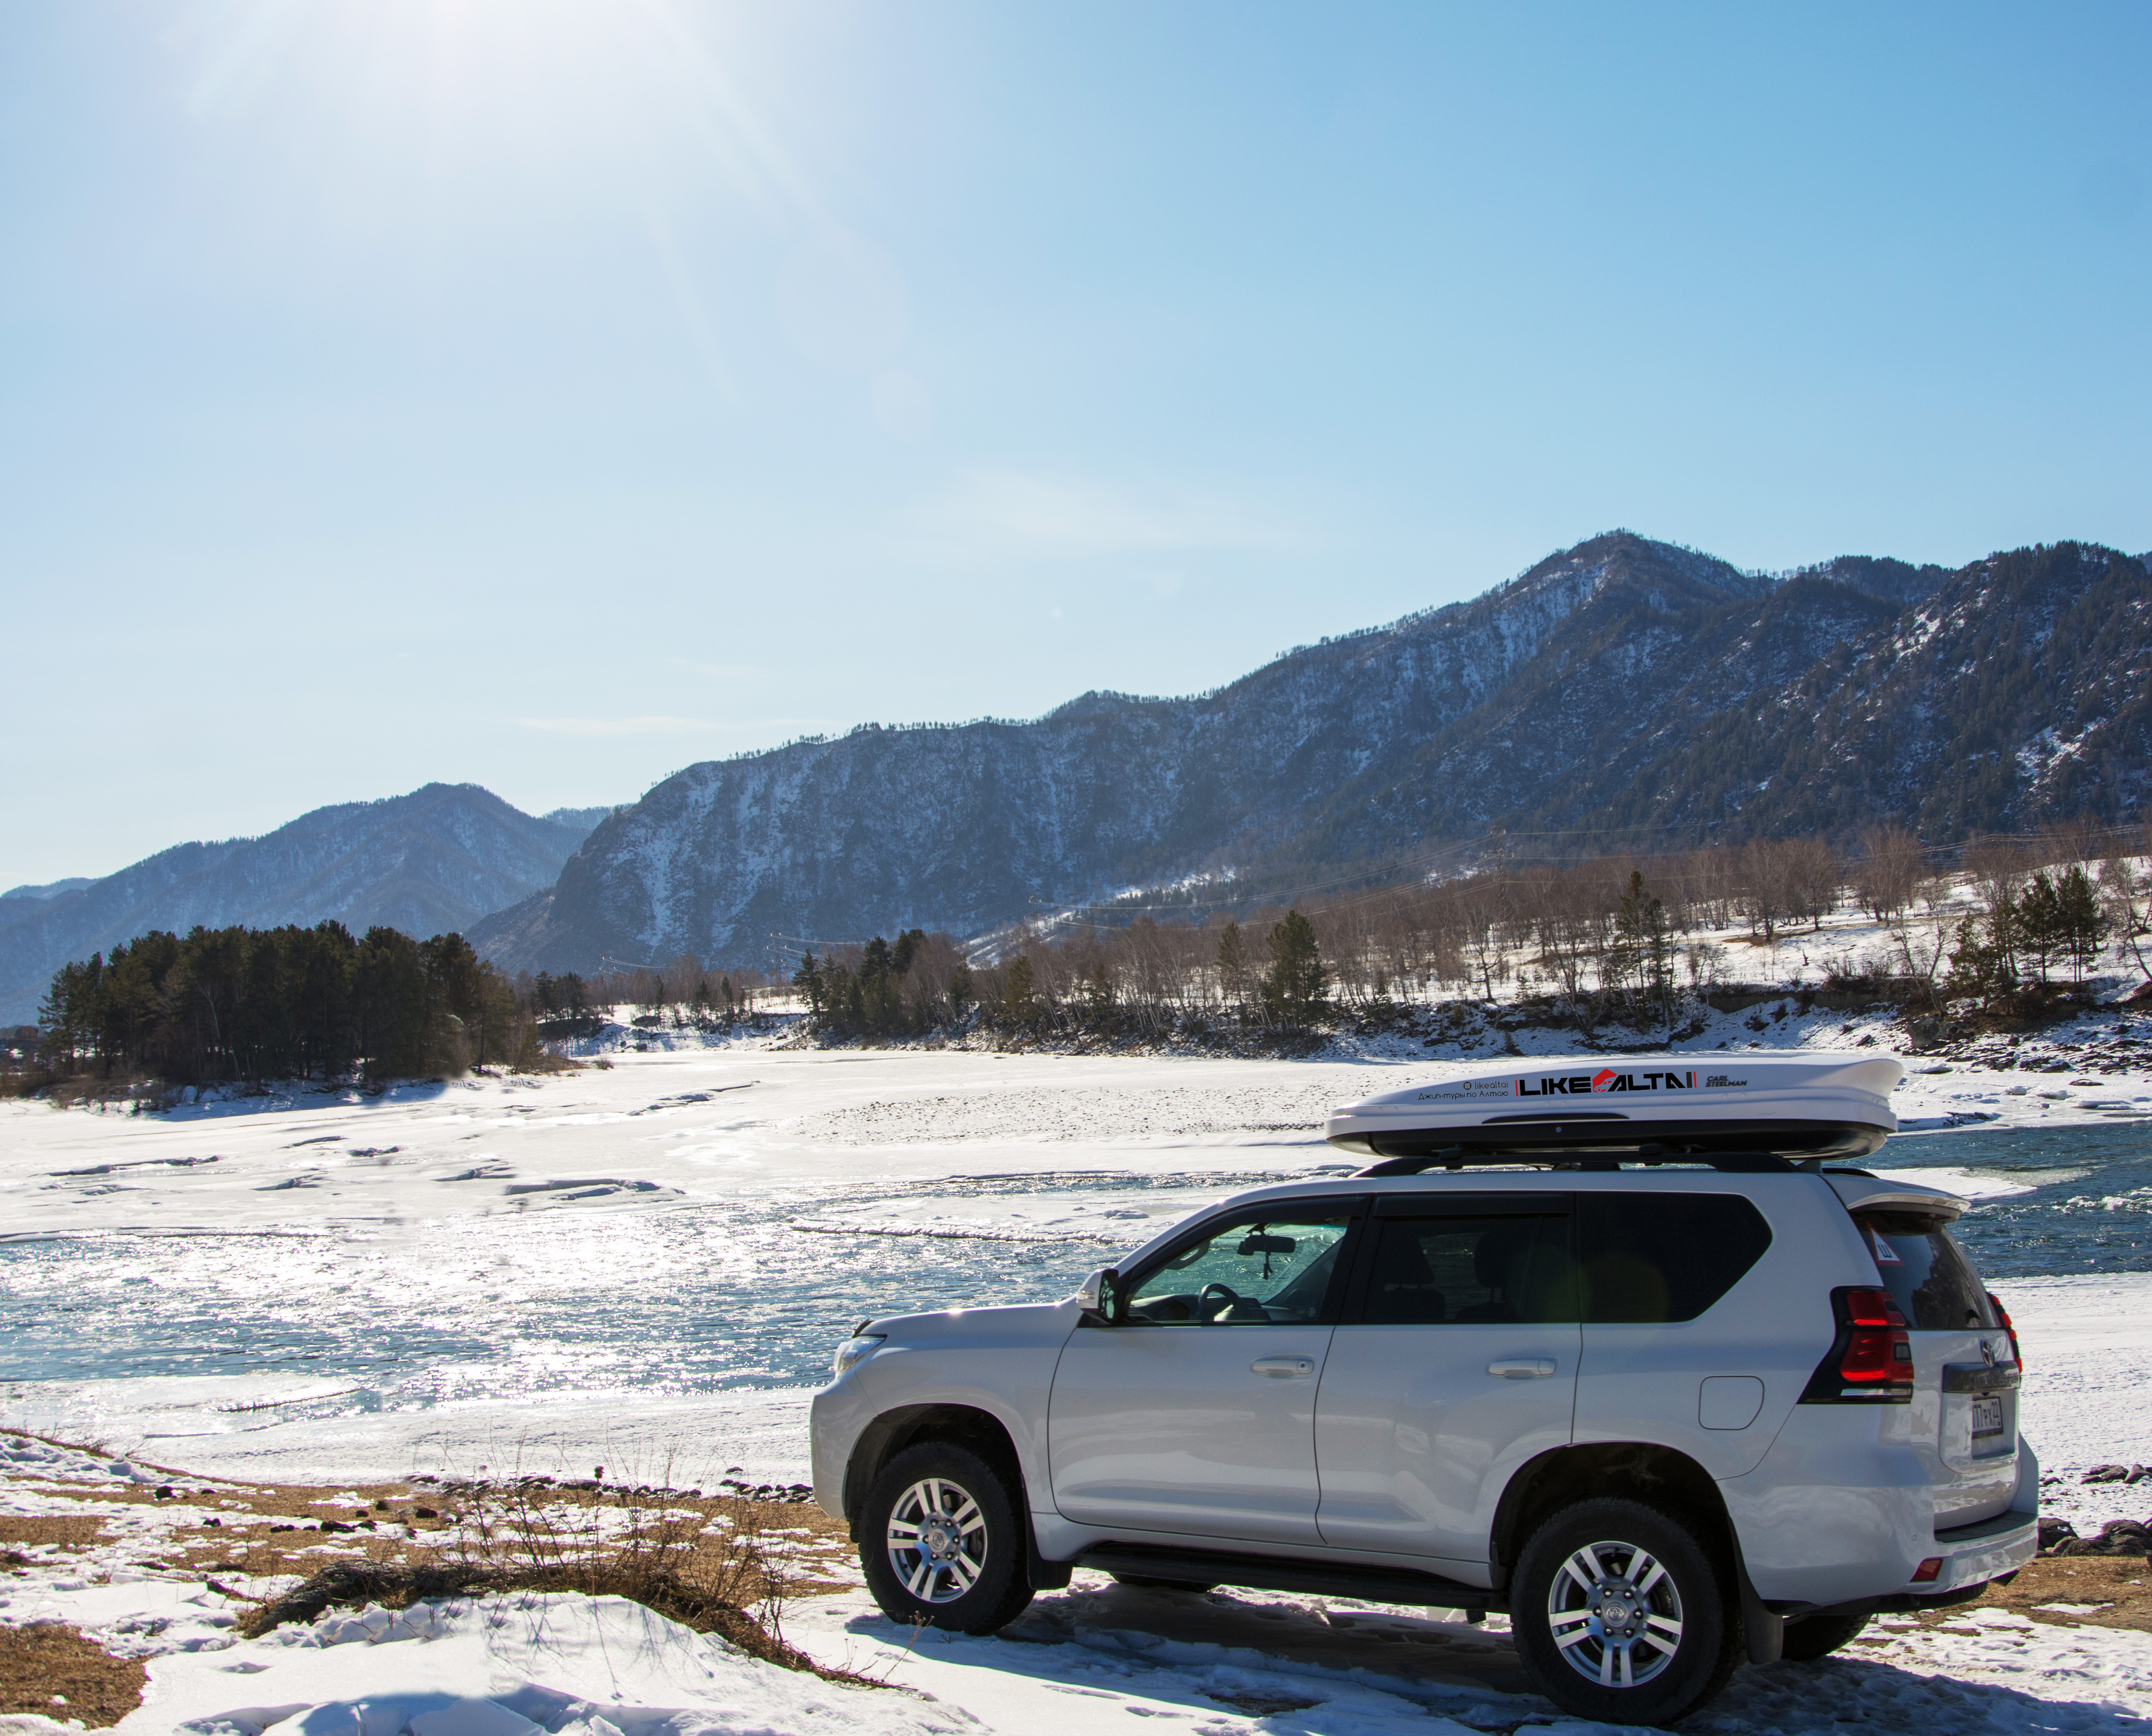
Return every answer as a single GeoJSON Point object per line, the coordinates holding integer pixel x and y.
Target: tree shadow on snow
{"type": "Point", "coordinates": [1275, 1659]}
{"type": "Point", "coordinates": [1848, 1690]}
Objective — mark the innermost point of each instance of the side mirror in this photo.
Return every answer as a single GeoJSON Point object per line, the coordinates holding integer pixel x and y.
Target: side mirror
{"type": "Point", "coordinates": [1098, 1297]}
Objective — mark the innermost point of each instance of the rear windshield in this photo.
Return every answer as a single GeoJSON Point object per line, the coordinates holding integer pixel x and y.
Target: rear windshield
{"type": "Point", "coordinates": [1926, 1269]}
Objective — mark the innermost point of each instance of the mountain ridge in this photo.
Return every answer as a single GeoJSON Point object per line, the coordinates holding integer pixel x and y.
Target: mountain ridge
{"type": "Point", "coordinates": [433, 860]}
{"type": "Point", "coordinates": [1621, 682]}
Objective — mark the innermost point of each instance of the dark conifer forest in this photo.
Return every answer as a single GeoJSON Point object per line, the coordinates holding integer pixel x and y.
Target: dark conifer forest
{"type": "Point", "coordinates": [302, 1003]}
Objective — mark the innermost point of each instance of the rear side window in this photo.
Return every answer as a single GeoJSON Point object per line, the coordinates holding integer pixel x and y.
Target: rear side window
{"type": "Point", "coordinates": [1470, 1272]}
{"type": "Point", "coordinates": [1644, 1257]}
{"type": "Point", "coordinates": [1926, 1271]}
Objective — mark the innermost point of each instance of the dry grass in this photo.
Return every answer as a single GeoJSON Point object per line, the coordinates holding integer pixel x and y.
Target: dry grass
{"type": "Point", "coordinates": [265, 1530]}
{"type": "Point", "coordinates": [723, 1564]}
{"type": "Point", "coordinates": [2121, 1584]}
{"type": "Point", "coordinates": [53, 1530]}
{"type": "Point", "coordinates": [50, 1668]}
{"type": "Point", "coordinates": [715, 1566]}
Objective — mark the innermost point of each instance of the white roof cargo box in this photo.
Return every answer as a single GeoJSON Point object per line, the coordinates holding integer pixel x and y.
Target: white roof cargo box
{"type": "Point", "coordinates": [1811, 1105]}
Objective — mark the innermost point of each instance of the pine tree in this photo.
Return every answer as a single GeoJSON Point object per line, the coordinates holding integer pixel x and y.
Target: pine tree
{"type": "Point", "coordinates": [808, 981]}
{"type": "Point", "coordinates": [1980, 967]}
{"type": "Point", "coordinates": [1294, 986]}
{"type": "Point", "coordinates": [1020, 993]}
{"type": "Point", "coordinates": [2039, 923]}
{"type": "Point", "coordinates": [2080, 924]}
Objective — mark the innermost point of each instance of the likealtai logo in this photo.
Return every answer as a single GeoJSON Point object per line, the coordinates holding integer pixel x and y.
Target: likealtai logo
{"type": "Point", "coordinates": [1584, 1084]}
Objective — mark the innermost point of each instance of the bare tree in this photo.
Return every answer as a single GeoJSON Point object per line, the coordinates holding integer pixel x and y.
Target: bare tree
{"type": "Point", "coordinates": [1765, 896]}
{"type": "Point", "coordinates": [1889, 875]}
{"type": "Point", "coordinates": [2125, 886]}
{"type": "Point", "coordinates": [1812, 876]}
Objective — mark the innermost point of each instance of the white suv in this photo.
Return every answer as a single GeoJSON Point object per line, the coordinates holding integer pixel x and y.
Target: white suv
{"type": "Point", "coordinates": [1667, 1417]}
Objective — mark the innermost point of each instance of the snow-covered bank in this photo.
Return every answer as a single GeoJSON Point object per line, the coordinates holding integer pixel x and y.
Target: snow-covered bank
{"type": "Point", "coordinates": [1084, 1662]}
{"type": "Point", "coordinates": [503, 1666]}
{"type": "Point", "coordinates": [2064, 1650]}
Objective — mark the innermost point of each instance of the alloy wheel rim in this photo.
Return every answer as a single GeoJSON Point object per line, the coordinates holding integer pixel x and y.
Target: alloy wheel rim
{"type": "Point", "coordinates": [936, 1540]}
{"type": "Point", "coordinates": [1615, 1614]}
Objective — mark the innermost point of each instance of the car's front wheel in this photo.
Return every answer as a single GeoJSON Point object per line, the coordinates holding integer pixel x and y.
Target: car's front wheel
{"type": "Point", "coordinates": [1620, 1615]}
{"type": "Point", "coordinates": [940, 1543]}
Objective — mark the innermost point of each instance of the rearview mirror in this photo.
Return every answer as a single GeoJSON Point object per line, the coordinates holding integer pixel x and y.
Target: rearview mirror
{"type": "Point", "coordinates": [1099, 1295]}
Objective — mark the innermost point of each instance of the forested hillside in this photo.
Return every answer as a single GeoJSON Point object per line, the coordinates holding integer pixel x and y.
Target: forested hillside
{"type": "Point", "coordinates": [1622, 692]}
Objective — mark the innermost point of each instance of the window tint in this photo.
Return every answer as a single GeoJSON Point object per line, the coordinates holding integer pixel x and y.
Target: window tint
{"type": "Point", "coordinates": [1926, 1269]}
{"type": "Point", "coordinates": [1664, 1257]}
{"type": "Point", "coordinates": [1248, 1271]}
{"type": "Point", "coordinates": [1469, 1271]}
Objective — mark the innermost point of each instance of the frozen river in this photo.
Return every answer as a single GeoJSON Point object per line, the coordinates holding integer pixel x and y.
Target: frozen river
{"type": "Point", "coordinates": [654, 1260]}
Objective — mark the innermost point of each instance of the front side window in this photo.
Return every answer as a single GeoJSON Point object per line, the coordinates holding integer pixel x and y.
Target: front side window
{"type": "Point", "coordinates": [1926, 1271]}
{"type": "Point", "coordinates": [1252, 1269]}
{"type": "Point", "coordinates": [1479, 1270]}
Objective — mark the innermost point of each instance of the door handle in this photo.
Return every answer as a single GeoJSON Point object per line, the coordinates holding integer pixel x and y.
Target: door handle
{"type": "Point", "coordinates": [1283, 1367]}
{"type": "Point", "coordinates": [1522, 1367]}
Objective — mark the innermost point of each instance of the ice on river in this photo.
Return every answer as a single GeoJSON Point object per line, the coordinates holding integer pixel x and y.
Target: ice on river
{"type": "Point", "coordinates": [645, 1266]}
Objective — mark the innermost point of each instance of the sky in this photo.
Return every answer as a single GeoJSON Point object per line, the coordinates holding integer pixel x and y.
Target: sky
{"type": "Point", "coordinates": [551, 394]}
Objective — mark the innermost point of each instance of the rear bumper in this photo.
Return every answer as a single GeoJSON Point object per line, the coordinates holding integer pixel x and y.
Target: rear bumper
{"type": "Point", "coordinates": [1832, 1521]}
{"type": "Point", "coordinates": [1974, 1554]}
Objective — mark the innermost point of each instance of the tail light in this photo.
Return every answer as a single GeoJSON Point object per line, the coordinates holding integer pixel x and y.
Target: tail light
{"type": "Point", "coordinates": [2003, 1314]}
{"type": "Point", "coordinates": [1871, 1358]}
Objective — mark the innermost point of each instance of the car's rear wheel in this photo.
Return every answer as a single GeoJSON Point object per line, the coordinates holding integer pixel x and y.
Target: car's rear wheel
{"type": "Point", "coordinates": [940, 1541]}
{"type": "Point", "coordinates": [1819, 1635]}
{"type": "Point", "coordinates": [1620, 1615]}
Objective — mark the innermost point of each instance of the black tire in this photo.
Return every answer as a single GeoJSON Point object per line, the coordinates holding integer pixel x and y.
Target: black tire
{"type": "Point", "coordinates": [1675, 1629]}
{"type": "Point", "coordinates": [1819, 1635]}
{"type": "Point", "coordinates": [972, 1579]}
{"type": "Point", "coordinates": [1142, 1583]}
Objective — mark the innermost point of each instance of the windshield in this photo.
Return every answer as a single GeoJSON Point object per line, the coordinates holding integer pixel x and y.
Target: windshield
{"type": "Point", "coordinates": [1926, 1271]}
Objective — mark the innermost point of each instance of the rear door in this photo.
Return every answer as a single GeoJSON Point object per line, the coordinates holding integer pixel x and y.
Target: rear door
{"type": "Point", "coordinates": [1965, 1379]}
{"type": "Point", "coordinates": [1454, 1363]}
{"type": "Point", "coordinates": [1194, 1413]}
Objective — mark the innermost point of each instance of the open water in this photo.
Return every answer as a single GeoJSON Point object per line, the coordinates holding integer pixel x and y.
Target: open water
{"type": "Point", "coordinates": [755, 1291]}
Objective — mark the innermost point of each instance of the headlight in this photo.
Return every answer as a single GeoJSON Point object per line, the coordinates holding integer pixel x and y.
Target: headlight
{"type": "Point", "coordinates": [855, 1351]}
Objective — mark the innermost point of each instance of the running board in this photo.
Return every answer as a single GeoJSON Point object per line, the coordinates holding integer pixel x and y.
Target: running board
{"type": "Point", "coordinates": [1274, 1573]}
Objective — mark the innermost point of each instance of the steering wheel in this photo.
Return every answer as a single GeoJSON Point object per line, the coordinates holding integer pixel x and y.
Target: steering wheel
{"type": "Point", "coordinates": [1226, 1294]}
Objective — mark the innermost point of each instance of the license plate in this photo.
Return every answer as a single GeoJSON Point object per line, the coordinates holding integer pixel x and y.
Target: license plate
{"type": "Point", "coordinates": [1987, 1417]}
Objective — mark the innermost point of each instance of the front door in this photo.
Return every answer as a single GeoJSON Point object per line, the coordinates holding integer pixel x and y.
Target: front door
{"type": "Point", "coordinates": [1455, 1365]}
{"type": "Point", "coordinates": [1193, 1411]}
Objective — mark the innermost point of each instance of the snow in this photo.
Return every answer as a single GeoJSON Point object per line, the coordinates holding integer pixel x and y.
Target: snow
{"type": "Point", "coordinates": [913, 1155]}
{"type": "Point", "coordinates": [1081, 1663]}
{"type": "Point", "coordinates": [500, 1666]}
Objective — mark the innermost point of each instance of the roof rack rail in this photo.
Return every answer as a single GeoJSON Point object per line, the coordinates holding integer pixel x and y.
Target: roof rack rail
{"type": "Point", "coordinates": [1647, 1155]}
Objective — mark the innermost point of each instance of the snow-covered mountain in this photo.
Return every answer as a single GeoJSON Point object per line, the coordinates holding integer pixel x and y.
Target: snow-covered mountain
{"type": "Point", "coordinates": [1622, 683]}
{"type": "Point", "coordinates": [428, 862]}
